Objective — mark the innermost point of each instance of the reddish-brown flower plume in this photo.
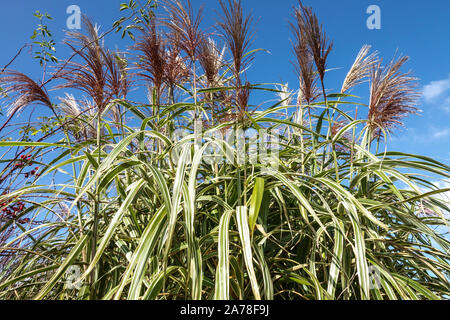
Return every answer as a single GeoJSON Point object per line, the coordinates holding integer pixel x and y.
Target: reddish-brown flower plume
{"type": "Point", "coordinates": [90, 76]}
{"type": "Point", "coordinates": [152, 57]}
{"type": "Point", "coordinates": [393, 96]}
{"type": "Point", "coordinates": [314, 36]}
{"type": "Point", "coordinates": [210, 59]}
{"type": "Point", "coordinates": [185, 26]}
{"type": "Point", "coordinates": [23, 90]}
{"type": "Point", "coordinates": [236, 29]}
{"type": "Point", "coordinates": [304, 64]}
{"type": "Point", "coordinates": [242, 97]}
{"type": "Point", "coordinates": [176, 69]}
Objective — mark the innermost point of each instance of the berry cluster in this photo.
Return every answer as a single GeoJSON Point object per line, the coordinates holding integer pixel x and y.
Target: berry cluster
{"type": "Point", "coordinates": [32, 173]}
{"type": "Point", "coordinates": [11, 211]}
{"type": "Point", "coordinates": [24, 161]}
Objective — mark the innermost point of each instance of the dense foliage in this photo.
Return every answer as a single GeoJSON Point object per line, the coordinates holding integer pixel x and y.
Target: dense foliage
{"type": "Point", "coordinates": [139, 199]}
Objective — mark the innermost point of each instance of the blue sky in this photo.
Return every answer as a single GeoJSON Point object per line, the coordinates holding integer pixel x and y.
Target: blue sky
{"type": "Point", "coordinates": [415, 28]}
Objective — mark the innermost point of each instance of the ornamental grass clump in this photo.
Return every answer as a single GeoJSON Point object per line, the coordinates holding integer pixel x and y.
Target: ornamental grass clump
{"type": "Point", "coordinates": [195, 193]}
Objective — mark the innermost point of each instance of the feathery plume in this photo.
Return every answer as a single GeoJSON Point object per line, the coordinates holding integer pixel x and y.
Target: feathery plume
{"type": "Point", "coordinates": [304, 61]}
{"type": "Point", "coordinates": [152, 57]}
{"type": "Point", "coordinates": [360, 69]}
{"type": "Point", "coordinates": [90, 76]}
{"type": "Point", "coordinates": [316, 39]}
{"type": "Point", "coordinates": [176, 70]}
{"type": "Point", "coordinates": [185, 26]}
{"type": "Point", "coordinates": [284, 94]}
{"type": "Point", "coordinates": [69, 105]}
{"type": "Point", "coordinates": [83, 115]}
{"type": "Point", "coordinates": [238, 35]}
{"type": "Point", "coordinates": [211, 60]}
{"type": "Point", "coordinates": [346, 137]}
{"type": "Point", "coordinates": [23, 90]}
{"type": "Point", "coordinates": [393, 96]}
{"type": "Point", "coordinates": [242, 99]}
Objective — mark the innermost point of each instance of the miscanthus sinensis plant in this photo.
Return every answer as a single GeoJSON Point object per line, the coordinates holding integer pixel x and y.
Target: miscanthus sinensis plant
{"type": "Point", "coordinates": [158, 179]}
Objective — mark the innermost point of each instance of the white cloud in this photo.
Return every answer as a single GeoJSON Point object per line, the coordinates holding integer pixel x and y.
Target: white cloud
{"type": "Point", "coordinates": [446, 105]}
{"type": "Point", "coordinates": [436, 89]}
{"type": "Point", "coordinates": [431, 135]}
{"type": "Point", "coordinates": [441, 133]}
